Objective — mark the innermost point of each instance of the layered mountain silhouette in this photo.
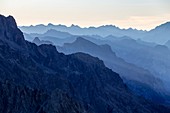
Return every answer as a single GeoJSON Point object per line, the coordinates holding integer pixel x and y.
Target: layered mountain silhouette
{"type": "Point", "coordinates": [76, 30]}
{"type": "Point", "coordinates": [146, 55]}
{"type": "Point", "coordinates": [52, 33]}
{"type": "Point", "coordinates": [110, 59]}
{"type": "Point", "coordinates": [40, 79]}
{"type": "Point", "coordinates": [105, 53]}
{"type": "Point", "coordinates": [56, 37]}
{"type": "Point", "coordinates": [150, 56]}
{"type": "Point", "coordinates": [159, 34]}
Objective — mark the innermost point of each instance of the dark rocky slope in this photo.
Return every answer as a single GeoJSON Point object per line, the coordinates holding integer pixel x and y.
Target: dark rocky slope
{"type": "Point", "coordinates": [128, 72]}
{"type": "Point", "coordinates": [39, 79]}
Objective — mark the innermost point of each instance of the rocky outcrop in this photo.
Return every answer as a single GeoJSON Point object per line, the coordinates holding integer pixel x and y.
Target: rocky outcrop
{"type": "Point", "coordinates": [9, 30]}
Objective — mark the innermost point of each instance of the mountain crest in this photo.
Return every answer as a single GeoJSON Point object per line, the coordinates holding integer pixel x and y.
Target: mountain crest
{"type": "Point", "coordinates": [9, 30]}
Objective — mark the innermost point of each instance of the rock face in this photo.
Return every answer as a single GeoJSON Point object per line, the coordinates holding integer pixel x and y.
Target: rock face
{"type": "Point", "coordinates": [40, 79]}
{"type": "Point", "coordinates": [9, 30]}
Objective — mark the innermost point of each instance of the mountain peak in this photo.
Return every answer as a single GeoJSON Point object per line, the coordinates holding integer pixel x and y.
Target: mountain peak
{"type": "Point", "coordinates": [82, 41]}
{"type": "Point", "coordinates": [164, 26]}
{"type": "Point", "coordinates": [36, 39]}
{"type": "Point", "coordinates": [75, 26]}
{"type": "Point", "coordinates": [9, 30]}
{"type": "Point", "coordinates": [12, 21]}
{"type": "Point", "coordinates": [5, 21]}
{"type": "Point", "coordinates": [50, 24]}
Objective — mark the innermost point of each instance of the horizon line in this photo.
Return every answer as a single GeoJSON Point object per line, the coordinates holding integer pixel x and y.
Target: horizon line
{"type": "Point", "coordinates": [88, 26]}
{"type": "Point", "coordinates": [91, 26]}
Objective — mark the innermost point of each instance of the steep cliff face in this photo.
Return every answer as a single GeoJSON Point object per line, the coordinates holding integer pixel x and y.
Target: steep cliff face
{"type": "Point", "coordinates": [9, 30]}
{"type": "Point", "coordinates": [40, 79]}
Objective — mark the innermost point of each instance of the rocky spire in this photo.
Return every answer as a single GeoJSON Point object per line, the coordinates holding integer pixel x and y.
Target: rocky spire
{"type": "Point", "coordinates": [10, 31]}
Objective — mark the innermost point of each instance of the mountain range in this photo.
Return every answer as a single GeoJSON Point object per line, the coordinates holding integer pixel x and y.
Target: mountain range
{"type": "Point", "coordinates": [135, 74]}
{"type": "Point", "coordinates": [148, 56]}
{"type": "Point", "coordinates": [159, 34]}
{"type": "Point", "coordinates": [40, 79]}
{"type": "Point", "coordinates": [77, 30]}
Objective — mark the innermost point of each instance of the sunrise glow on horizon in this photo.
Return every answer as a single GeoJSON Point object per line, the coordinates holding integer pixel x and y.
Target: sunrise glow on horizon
{"type": "Point", "coordinates": [140, 14]}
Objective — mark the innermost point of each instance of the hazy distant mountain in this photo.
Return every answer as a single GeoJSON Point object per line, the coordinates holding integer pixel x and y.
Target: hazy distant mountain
{"type": "Point", "coordinates": [56, 37]}
{"type": "Point", "coordinates": [160, 35]}
{"type": "Point", "coordinates": [115, 63]}
{"type": "Point", "coordinates": [105, 53]}
{"type": "Point", "coordinates": [155, 58]}
{"type": "Point", "coordinates": [52, 33]}
{"type": "Point", "coordinates": [37, 41]}
{"type": "Point", "coordinates": [168, 44]}
{"type": "Point", "coordinates": [39, 79]}
{"type": "Point", "coordinates": [76, 30]}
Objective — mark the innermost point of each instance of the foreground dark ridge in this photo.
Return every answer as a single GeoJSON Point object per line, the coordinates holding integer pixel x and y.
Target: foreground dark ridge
{"type": "Point", "coordinates": [39, 79]}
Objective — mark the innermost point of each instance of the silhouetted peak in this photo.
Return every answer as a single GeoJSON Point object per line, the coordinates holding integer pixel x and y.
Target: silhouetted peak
{"type": "Point", "coordinates": [7, 21]}
{"type": "Point", "coordinates": [161, 47]}
{"type": "Point", "coordinates": [50, 24]}
{"type": "Point", "coordinates": [62, 26]}
{"type": "Point", "coordinates": [75, 26]}
{"type": "Point", "coordinates": [56, 33]}
{"type": "Point", "coordinates": [125, 37]}
{"type": "Point", "coordinates": [164, 26]}
{"type": "Point", "coordinates": [9, 18]}
{"type": "Point", "coordinates": [167, 24]}
{"type": "Point", "coordinates": [12, 21]}
{"type": "Point", "coordinates": [81, 40]}
{"type": "Point", "coordinates": [109, 26]}
{"type": "Point", "coordinates": [40, 25]}
{"type": "Point", "coordinates": [110, 36]}
{"type": "Point", "coordinates": [9, 30]}
{"type": "Point", "coordinates": [36, 39]}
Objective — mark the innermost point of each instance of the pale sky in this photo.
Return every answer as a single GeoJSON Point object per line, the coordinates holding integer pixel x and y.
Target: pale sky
{"type": "Point", "coordinates": [140, 14]}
